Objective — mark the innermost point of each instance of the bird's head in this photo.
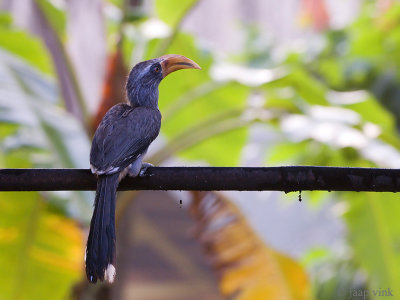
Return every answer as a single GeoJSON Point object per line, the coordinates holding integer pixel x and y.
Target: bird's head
{"type": "Point", "coordinates": [144, 78]}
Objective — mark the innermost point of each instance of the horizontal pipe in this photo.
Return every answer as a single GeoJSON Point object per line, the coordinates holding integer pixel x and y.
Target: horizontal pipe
{"type": "Point", "coordinates": [287, 179]}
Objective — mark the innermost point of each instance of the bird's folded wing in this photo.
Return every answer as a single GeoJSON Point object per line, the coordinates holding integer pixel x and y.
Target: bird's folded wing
{"type": "Point", "coordinates": [122, 136]}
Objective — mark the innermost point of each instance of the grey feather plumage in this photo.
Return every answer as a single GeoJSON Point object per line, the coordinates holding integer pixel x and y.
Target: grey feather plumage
{"type": "Point", "coordinates": [119, 144]}
{"type": "Point", "coordinates": [125, 133]}
{"type": "Point", "coordinates": [121, 139]}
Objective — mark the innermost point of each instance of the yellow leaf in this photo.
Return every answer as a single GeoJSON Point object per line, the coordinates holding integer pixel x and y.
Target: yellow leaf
{"type": "Point", "coordinates": [248, 268]}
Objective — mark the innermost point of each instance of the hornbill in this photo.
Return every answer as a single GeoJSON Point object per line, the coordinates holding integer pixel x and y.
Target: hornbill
{"type": "Point", "coordinates": [119, 144]}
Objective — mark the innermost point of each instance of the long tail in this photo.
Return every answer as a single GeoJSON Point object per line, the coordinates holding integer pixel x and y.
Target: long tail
{"type": "Point", "coordinates": [100, 248]}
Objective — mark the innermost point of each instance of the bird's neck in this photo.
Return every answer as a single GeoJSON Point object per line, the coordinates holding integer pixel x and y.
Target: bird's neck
{"type": "Point", "coordinates": [143, 97]}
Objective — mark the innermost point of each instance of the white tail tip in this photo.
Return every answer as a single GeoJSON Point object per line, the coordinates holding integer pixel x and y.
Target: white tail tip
{"type": "Point", "coordinates": [109, 273]}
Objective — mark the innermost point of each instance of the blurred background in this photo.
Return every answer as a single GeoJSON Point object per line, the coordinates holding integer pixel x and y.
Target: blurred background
{"type": "Point", "coordinates": [289, 82]}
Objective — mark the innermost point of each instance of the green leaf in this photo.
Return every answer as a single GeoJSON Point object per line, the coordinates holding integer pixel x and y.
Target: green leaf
{"type": "Point", "coordinates": [332, 71]}
{"type": "Point", "coordinates": [203, 110]}
{"type": "Point", "coordinates": [41, 249]}
{"type": "Point", "coordinates": [171, 11]}
{"type": "Point", "coordinates": [27, 47]}
{"type": "Point", "coordinates": [287, 153]}
{"type": "Point", "coordinates": [222, 150]}
{"type": "Point", "coordinates": [190, 98]}
{"type": "Point", "coordinates": [372, 111]}
{"type": "Point", "coordinates": [303, 87]}
{"type": "Point", "coordinates": [43, 125]}
{"type": "Point", "coordinates": [310, 89]}
{"type": "Point", "coordinates": [35, 105]}
{"type": "Point", "coordinates": [374, 233]}
{"type": "Point", "coordinates": [41, 252]}
{"type": "Point", "coordinates": [56, 17]}
{"type": "Point", "coordinates": [5, 20]}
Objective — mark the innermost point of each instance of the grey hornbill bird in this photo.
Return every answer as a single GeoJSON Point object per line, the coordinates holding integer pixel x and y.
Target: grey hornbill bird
{"type": "Point", "coordinates": [119, 144]}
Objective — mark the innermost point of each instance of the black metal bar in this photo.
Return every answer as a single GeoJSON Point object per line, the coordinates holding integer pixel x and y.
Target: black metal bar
{"type": "Point", "coordinates": [285, 179]}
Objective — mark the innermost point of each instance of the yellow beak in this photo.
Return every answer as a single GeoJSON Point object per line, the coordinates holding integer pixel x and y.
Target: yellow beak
{"type": "Point", "coordinates": [173, 62]}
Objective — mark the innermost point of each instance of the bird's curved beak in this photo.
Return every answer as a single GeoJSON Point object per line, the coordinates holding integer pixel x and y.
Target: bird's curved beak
{"type": "Point", "coordinates": [173, 62]}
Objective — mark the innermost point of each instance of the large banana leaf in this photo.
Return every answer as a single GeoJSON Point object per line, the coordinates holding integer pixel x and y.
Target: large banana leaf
{"type": "Point", "coordinates": [23, 45]}
{"type": "Point", "coordinates": [30, 100]}
{"type": "Point", "coordinates": [41, 248]}
{"type": "Point", "coordinates": [247, 267]}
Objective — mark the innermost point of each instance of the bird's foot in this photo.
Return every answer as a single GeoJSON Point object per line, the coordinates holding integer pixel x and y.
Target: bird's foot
{"type": "Point", "coordinates": [138, 169]}
{"type": "Point", "coordinates": [134, 168]}
{"type": "Point", "coordinates": [144, 168]}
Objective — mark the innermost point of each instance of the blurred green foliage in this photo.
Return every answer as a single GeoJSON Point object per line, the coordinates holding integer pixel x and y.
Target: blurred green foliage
{"type": "Point", "coordinates": [339, 108]}
{"type": "Point", "coordinates": [40, 245]}
{"type": "Point", "coordinates": [23, 45]}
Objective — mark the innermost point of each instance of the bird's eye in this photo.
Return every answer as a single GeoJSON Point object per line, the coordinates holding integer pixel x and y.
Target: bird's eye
{"type": "Point", "coordinates": [156, 69]}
